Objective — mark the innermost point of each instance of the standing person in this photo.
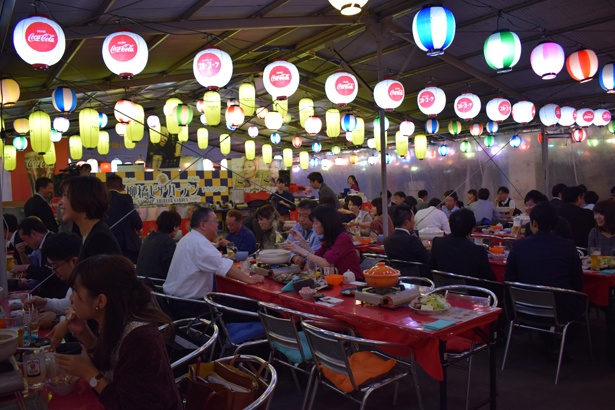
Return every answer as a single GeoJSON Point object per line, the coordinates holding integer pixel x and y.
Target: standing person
{"type": "Point", "coordinates": [305, 235]}
{"type": "Point", "coordinates": [85, 202]}
{"type": "Point", "coordinates": [354, 184]}
{"type": "Point", "coordinates": [282, 200]}
{"type": "Point", "coordinates": [423, 197]}
{"type": "Point", "coordinates": [324, 191]}
{"type": "Point", "coordinates": [242, 237]}
{"type": "Point", "coordinates": [194, 264]}
{"type": "Point", "coordinates": [268, 227]}
{"type": "Point", "coordinates": [432, 216]}
{"type": "Point", "coordinates": [362, 218]}
{"type": "Point", "coordinates": [336, 247]}
{"type": "Point", "coordinates": [126, 362]}
{"type": "Point", "coordinates": [159, 246]}
{"type": "Point", "coordinates": [581, 220]}
{"type": "Point", "coordinates": [484, 211]}
{"type": "Point", "coordinates": [603, 234]}
{"type": "Point", "coordinates": [38, 204]}
{"type": "Point", "coordinates": [401, 244]}
{"type": "Point", "coordinates": [472, 196]}
{"type": "Point", "coordinates": [123, 220]}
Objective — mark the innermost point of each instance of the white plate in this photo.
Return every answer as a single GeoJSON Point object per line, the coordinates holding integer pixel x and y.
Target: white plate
{"type": "Point", "coordinates": [428, 312]}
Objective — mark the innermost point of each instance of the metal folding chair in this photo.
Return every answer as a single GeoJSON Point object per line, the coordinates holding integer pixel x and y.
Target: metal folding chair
{"type": "Point", "coordinates": [408, 268]}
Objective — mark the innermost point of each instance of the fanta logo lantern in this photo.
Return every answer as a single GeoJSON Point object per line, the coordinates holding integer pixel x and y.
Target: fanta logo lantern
{"type": "Point", "coordinates": [498, 109]}
{"type": "Point", "coordinates": [212, 68]}
{"type": "Point", "coordinates": [64, 99]}
{"type": "Point", "coordinates": [602, 117]}
{"type": "Point", "coordinates": [389, 94]}
{"type": "Point", "coordinates": [550, 114]}
{"type": "Point", "coordinates": [547, 60]}
{"type": "Point", "coordinates": [281, 79]}
{"type": "Point", "coordinates": [523, 112]}
{"type": "Point", "coordinates": [582, 65]}
{"type": "Point", "coordinates": [341, 88]}
{"type": "Point", "coordinates": [568, 116]}
{"type": "Point", "coordinates": [125, 53]}
{"type": "Point", "coordinates": [39, 41]}
{"type": "Point", "coordinates": [433, 29]}
{"type": "Point", "coordinates": [467, 106]}
{"type": "Point", "coordinates": [585, 117]}
{"type": "Point", "coordinates": [431, 101]}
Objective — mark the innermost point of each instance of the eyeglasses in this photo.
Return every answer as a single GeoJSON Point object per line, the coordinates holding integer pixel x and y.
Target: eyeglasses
{"type": "Point", "coordinates": [55, 266]}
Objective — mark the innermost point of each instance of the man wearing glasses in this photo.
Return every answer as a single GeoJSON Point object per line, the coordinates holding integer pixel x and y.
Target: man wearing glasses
{"type": "Point", "coordinates": [194, 264]}
{"type": "Point", "coordinates": [304, 227]}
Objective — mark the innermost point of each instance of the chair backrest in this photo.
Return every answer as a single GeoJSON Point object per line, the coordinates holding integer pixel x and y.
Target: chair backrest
{"type": "Point", "coordinates": [162, 300]}
{"type": "Point", "coordinates": [415, 280]}
{"type": "Point", "coordinates": [369, 260]}
{"type": "Point", "coordinates": [492, 299]}
{"type": "Point", "coordinates": [582, 252]}
{"type": "Point", "coordinates": [408, 268]}
{"type": "Point", "coordinates": [267, 379]}
{"type": "Point", "coordinates": [446, 278]}
{"type": "Point", "coordinates": [234, 308]}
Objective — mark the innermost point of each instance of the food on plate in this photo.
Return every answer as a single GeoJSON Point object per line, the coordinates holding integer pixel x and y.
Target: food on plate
{"type": "Point", "coordinates": [430, 302]}
{"type": "Point", "coordinates": [607, 262]}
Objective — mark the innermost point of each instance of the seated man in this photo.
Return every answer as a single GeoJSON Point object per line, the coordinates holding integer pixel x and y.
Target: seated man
{"type": "Point", "coordinates": [242, 237]}
{"type": "Point", "coordinates": [304, 229]}
{"type": "Point", "coordinates": [534, 197]}
{"type": "Point", "coordinates": [457, 253]}
{"type": "Point", "coordinates": [484, 210]}
{"type": "Point", "coordinates": [401, 244]}
{"type": "Point", "coordinates": [581, 220]}
{"type": "Point", "coordinates": [194, 264]}
{"type": "Point", "coordinates": [432, 216]}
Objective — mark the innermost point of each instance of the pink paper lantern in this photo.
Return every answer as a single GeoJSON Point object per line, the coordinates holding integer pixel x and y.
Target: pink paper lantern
{"type": "Point", "coordinates": [547, 60]}
{"type": "Point", "coordinates": [431, 101]}
{"type": "Point", "coordinates": [498, 109]}
{"type": "Point", "coordinates": [523, 112]}
{"type": "Point", "coordinates": [467, 106]}
{"type": "Point", "coordinates": [389, 94]}
{"type": "Point", "coordinates": [125, 53]}
{"type": "Point", "coordinates": [341, 88]}
{"type": "Point", "coordinates": [582, 65]}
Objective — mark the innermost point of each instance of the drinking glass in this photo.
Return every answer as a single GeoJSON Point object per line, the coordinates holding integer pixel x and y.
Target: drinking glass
{"type": "Point", "coordinates": [594, 254]}
{"type": "Point", "coordinates": [230, 250]}
{"type": "Point", "coordinates": [312, 268]}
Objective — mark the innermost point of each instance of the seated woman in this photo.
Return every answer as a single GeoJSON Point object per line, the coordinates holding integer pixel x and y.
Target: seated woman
{"type": "Point", "coordinates": [361, 217]}
{"type": "Point", "coordinates": [126, 361]}
{"type": "Point", "coordinates": [337, 248]}
{"type": "Point", "coordinates": [377, 224]}
{"type": "Point", "coordinates": [603, 235]}
{"type": "Point", "coordinates": [268, 226]}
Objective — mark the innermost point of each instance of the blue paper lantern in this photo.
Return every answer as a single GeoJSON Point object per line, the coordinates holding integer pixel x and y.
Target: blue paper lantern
{"type": "Point", "coordinates": [433, 29]}
{"type": "Point", "coordinates": [492, 127]}
{"type": "Point", "coordinates": [349, 122]}
{"type": "Point", "coordinates": [432, 126]}
{"type": "Point", "coordinates": [275, 138]}
{"type": "Point", "coordinates": [515, 141]}
{"type": "Point", "coordinates": [102, 120]}
{"type": "Point", "coordinates": [607, 78]}
{"type": "Point", "coordinates": [443, 150]}
{"type": "Point", "coordinates": [64, 99]}
{"type": "Point", "coordinates": [316, 147]}
{"type": "Point", "coordinates": [20, 143]}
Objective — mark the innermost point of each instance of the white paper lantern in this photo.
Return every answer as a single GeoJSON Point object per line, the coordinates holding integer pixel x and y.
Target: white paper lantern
{"type": "Point", "coordinates": [212, 68]}
{"type": "Point", "coordinates": [498, 109]}
{"type": "Point", "coordinates": [125, 111]}
{"type": "Point", "coordinates": [476, 129]}
{"type": "Point", "coordinates": [585, 117]}
{"type": "Point", "coordinates": [313, 125]}
{"type": "Point", "coordinates": [602, 117]}
{"type": "Point", "coordinates": [406, 128]}
{"type": "Point", "coordinates": [273, 120]}
{"type": "Point", "coordinates": [431, 101]}
{"type": "Point", "coordinates": [568, 116]}
{"type": "Point", "coordinates": [281, 79]}
{"type": "Point", "coordinates": [341, 88]}
{"type": "Point", "coordinates": [389, 94]}
{"type": "Point", "coordinates": [550, 114]}
{"type": "Point", "coordinates": [253, 131]}
{"type": "Point", "coordinates": [39, 41]}
{"type": "Point", "coordinates": [523, 112]}
{"type": "Point", "coordinates": [125, 53]}
{"type": "Point", "coordinates": [467, 106]}
{"type": "Point", "coordinates": [547, 60]}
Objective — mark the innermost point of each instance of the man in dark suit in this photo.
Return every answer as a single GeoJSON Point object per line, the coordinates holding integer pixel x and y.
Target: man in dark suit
{"type": "Point", "coordinates": [123, 219]}
{"type": "Point", "coordinates": [401, 244]}
{"type": "Point", "coordinates": [534, 197]}
{"type": "Point", "coordinates": [38, 205]}
{"type": "Point", "coordinates": [457, 253]}
{"type": "Point", "coordinates": [581, 220]}
{"type": "Point", "coordinates": [557, 191]}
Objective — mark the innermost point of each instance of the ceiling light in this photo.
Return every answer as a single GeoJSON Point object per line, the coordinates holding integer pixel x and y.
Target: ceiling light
{"type": "Point", "coordinates": [348, 7]}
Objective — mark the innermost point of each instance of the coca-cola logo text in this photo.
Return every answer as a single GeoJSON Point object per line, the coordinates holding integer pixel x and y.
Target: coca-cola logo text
{"type": "Point", "coordinates": [464, 105]}
{"type": "Point", "coordinates": [41, 37]}
{"type": "Point", "coordinates": [504, 108]}
{"type": "Point", "coordinates": [122, 48]}
{"type": "Point", "coordinates": [588, 116]}
{"type": "Point", "coordinates": [396, 92]}
{"type": "Point", "coordinates": [345, 85]}
{"type": "Point", "coordinates": [280, 76]}
{"type": "Point", "coordinates": [209, 65]}
{"type": "Point", "coordinates": [35, 162]}
{"type": "Point", "coordinates": [606, 116]}
{"type": "Point", "coordinates": [426, 99]}
{"type": "Point", "coordinates": [558, 112]}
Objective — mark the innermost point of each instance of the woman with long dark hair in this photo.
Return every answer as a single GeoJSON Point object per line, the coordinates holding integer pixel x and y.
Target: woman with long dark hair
{"type": "Point", "coordinates": [126, 360]}
{"type": "Point", "coordinates": [603, 235]}
{"type": "Point", "coordinates": [354, 184]}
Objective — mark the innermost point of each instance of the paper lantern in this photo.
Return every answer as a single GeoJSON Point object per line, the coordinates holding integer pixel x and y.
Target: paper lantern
{"type": "Point", "coordinates": [611, 127]}
{"type": "Point", "coordinates": [21, 126]}
{"type": "Point", "coordinates": [336, 150]}
{"type": "Point", "coordinates": [183, 135]}
{"type": "Point", "coordinates": [273, 120]}
{"type": "Point", "coordinates": [376, 124]}
{"type": "Point", "coordinates": [371, 143]}
{"type": "Point", "coordinates": [593, 142]}
{"type": "Point", "coordinates": [247, 98]}
{"type": "Point", "coordinates": [267, 153]}
{"type": "Point", "coordinates": [261, 112]}
{"type": "Point", "coordinates": [212, 68]}
{"type": "Point", "coordinates": [406, 128]}
{"type": "Point", "coordinates": [443, 150]}
{"type": "Point", "coordinates": [607, 78]}
{"type": "Point", "coordinates": [120, 129]}
{"type": "Point", "coordinates": [103, 142]}
{"type": "Point", "coordinates": [476, 129]}
{"type": "Point", "coordinates": [348, 7]}
{"type": "Point", "coordinates": [523, 112]}
{"type": "Point", "coordinates": [9, 158]}
{"type": "Point", "coordinates": [88, 127]}
{"type": "Point", "coordinates": [568, 116]}
{"type": "Point", "coordinates": [281, 79]}
{"type": "Point", "coordinates": [582, 65]}
{"type": "Point", "coordinates": [253, 131]}
{"type": "Point", "coordinates": [547, 60]}
{"type": "Point", "coordinates": [49, 157]}
{"type": "Point", "coordinates": [203, 119]}
{"type": "Point", "coordinates": [489, 140]}
{"type": "Point", "coordinates": [454, 127]}
{"type": "Point", "coordinates": [125, 53]}
{"type": "Point", "coordinates": [550, 114]}
{"type": "Point", "coordinates": [40, 128]}
{"type": "Point", "coordinates": [275, 138]}
{"type": "Point", "coordinates": [202, 138]}
{"type": "Point", "coordinates": [540, 138]}
{"type": "Point", "coordinates": [250, 149]}
{"type": "Point", "coordinates": [348, 122]}
{"type": "Point", "coordinates": [492, 127]}
{"type": "Point", "coordinates": [105, 166]}
{"type": "Point", "coordinates": [20, 143]}
{"type": "Point", "coordinates": [316, 147]}
{"type": "Point", "coordinates": [341, 88]}
{"type": "Point", "coordinates": [213, 105]}
{"type": "Point", "coordinates": [39, 41]}
{"type": "Point", "coordinates": [297, 141]}
{"type": "Point", "coordinates": [135, 129]}
{"type": "Point", "coordinates": [306, 110]}
{"type": "Point", "coordinates": [225, 144]}
{"type": "Point", "coordinates": [200, 106]}
{"type": "Point", "coordinates": [420, 146]}
{"type": "Point", "coordinates": [401, 144]}
{"type": "Point", "coordinates": [102, 120]}
{"type": "Point", "coordinates": [515, 141]}
{"type": "Point", "coordinates": [579, 135]}
{"type": "Point", "coordinates": [153, 122]}
{"type": "Point", "coordinates": [389, 94]}
{"type": "Point", "coordinates": [313, 125]}
{"type": "Point", "coordinates": [75, 147]}
{"type": "Point", "coordinates": [304, 160]}
{"type": "Point", "coordinates": [155, 129]}
{"type": "Point", "coordinates": [114, 163]}
{"type": "Point", "coordinates": [467, 106]}
{"type": "Point", "coordinates": [234, 115]}
{"type": "Point", "coordinates": [498, 109]}
{"type": "Point", "coordinates": [502, 50]}
{"type": "Point", "coordinates": [601, 117]}
{"type": "Point", "coordinates": [183, 114]}
{"type": "Point", "coordinates": [433, 29]}
{"type": "Point", "coordinates": [287, 154]}
{"type": "Point", "coordinates": [432, 126]}
{"type": "Point", "coordinates": [464, 146]}
{"type": "Point", "coordinates": [128, 144]}
{"type": "Point", "coordinates": [358, 135]}
{"type": "Point", "coordinates": [55, 136]}
{"type": "Point", "coordinates": [9, 92]}
{"type": "Point", "coordinates": [585, 117]}
{"type": "Point", "coordinates": [372, 160]}
{"type": "Point", "coordinates": [124, 111]}
{"type": "Point", "coordinates": [64, 99]}
{"type": "Point", "coordinates": [431, 101]}
{"type": "Point", "coordinates": [333, 122]}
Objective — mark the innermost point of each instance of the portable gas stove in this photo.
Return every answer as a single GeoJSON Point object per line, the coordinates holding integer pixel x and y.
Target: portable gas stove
{"type": "Point", "coordinates": [392, 297]}
{"type": "Point", "coordinates": [277, 269]}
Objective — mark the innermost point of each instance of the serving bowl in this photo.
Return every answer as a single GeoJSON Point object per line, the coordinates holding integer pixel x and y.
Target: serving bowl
{"type": "Point", "coordinates": [334, 279]}
{"type": "Point", "coordinates": [274, 256]}
{"type": "Point", "coordinates": [241, 256]}
{"type": "Point", "coordinates": [381, 276]}
{"type": "Point", "coordinates": [8, 343]}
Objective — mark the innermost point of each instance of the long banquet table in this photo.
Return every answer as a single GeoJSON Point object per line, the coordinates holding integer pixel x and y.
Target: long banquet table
{"type": "Point", "coordinates": [400, 325]}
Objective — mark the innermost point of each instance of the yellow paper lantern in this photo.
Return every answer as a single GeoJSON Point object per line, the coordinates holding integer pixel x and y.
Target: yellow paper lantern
{"type": "Point", "coordinates": [103, 142]}
{"type": "Point", "coordinates": [128, 143]}
{"type": "Point", "coordinates": [213, 105]}
{"type": "Point", "coordinates": [304, 160]}
{"type": "Point", "coordinates": [250, 148]}
{"type": "Point", "coordinates": [306, 110]}
{"type": "Point", "coordinates": [135, 130]}
{"type": "Point", "coordinates": [202, 138]}
{"type": "Point", "coordinates": [287, 154]}
{"type": "Point", "coordinates": [225, 144]}
{"type": "Point", "coordinates": [154, 129]}
{"type": "Point", "coordinates": [247, 98]}
{"type": "Point", "coordinates": [169, 115]}
{"type": "Point", "coordinates": [332, 121]}
{"type": "Point", "coordinates": [40, 131]}
{"type": "Point", "coordinates": [89, 127]}
{"type": "Point", "coordinates": [75, 147]}
{"type": "Point", "coordinates": [280, 106]}
{"type": "Point", "coordinates": [420, 146]}
{"type": "Point", "coordinates": [50, 156]}
{"type": "Point", "coordinates": [10, 158]}
{"type": "Point", "coordinates": [267, 153]}
{"type": "Point", "coordinates": [1, 148]}
{"type": "Point", "coordinates": [358, 134]}
{"type": "Point", "coordinates": [183, 134]}
{"type": "Point", "coordinates": [401, 144]}
{"type": "Point", "coordinates": [21, 125]}
{"type": "Point", "coordinates": [9, 92]}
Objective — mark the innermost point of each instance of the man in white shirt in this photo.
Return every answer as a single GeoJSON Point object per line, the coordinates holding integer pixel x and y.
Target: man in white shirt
{"type": "Point", "coordinates": [194, 264]}
{"type": "Point", "coordinates": [432, 216]}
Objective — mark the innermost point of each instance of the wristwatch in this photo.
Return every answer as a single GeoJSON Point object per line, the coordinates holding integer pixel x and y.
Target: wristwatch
{"type": "Point", "coordinates": [94, 380]}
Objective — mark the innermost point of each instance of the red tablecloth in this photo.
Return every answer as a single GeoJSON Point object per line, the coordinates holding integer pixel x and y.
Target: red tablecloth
{"type": "Point", "coordinates": [399, 325]}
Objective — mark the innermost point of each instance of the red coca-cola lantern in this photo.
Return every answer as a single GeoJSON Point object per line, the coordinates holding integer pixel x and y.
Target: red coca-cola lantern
{"type": "Point", "coordinates": [431, 101]}
{"type": "Point", "coordinates": [125, 53]}
{"type": "Point", "coordinates": [601, 117]}
{"type": "Point", "coordinates": [467, 106]}
{"type": "Point", "coordinates": [585, 117]}
{"type": "Point", "coordinates": [341, 88]}
{"type": "Point", "coordinates": [498, 109]}
{"type": "Point", "coordinates": [281, 79]}
{"type": "Point", "coordinates": [523, 112]}
{"type": "Point", "coordinates": [212, 68]}
{"type": "Point", "coordinates": [550, 114]}
{"type": "Point", "coordinates": [389, 94]}
{"type": "Point", "coordinates": [39, 41]}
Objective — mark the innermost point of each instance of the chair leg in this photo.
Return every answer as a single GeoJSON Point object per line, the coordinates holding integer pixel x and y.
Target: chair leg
{"type": "Point", "coordinates": [308, 389]}
{"type": "Point", "coordinates": [417, 388]}
{"type": "Point", "coordinates": [468, 382]}
{"type": "Point", "coordinates": [396, 389]}
{"type": "Point", "coordinates": [315, 383]}
{"type": "Point", "coordinates": [294, 372]}
{"type": "Point", "coordinates": [510, 328]}
{"type": "Point", "coordinates": [589, 339]}
{"type": "Point", "coordinates": [561, 352]}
